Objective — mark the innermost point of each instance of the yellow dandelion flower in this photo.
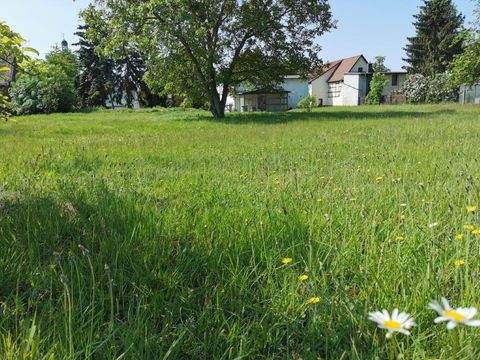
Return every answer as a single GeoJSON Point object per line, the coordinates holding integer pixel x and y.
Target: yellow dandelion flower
{"type": "Point", "coordinates": [469, 227]}
{"type": "Point", "coordinates": [400, 238]}
{"type": "Point", "coordinates": [459, 263]}
{"type": "Point", "coordinates": [313, 300]}
{"type": "Point", "coordinates": [379, 179]}
{"type": "Point", "coordinates": [472, 209]}
{"type": "Point", "coordinates": [459, 237]}
{"type": "Point", "coordinates": [476, 232]}
{"type": "Point", "coordinates": [287, 261]}
{"type": "Point", "coordinates": [303, 277]}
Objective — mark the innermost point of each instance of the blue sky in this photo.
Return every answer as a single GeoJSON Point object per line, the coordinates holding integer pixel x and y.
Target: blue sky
{"type": "Point", "coordinates": [369, 27]}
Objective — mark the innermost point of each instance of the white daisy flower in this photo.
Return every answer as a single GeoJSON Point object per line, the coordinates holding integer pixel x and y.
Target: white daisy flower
{"type": "Point", "coordinates": [454, 317]}
{"type": "Point", "coordinates": [397, 322]}
{"type": "Point", "coordinates": [433, 225]}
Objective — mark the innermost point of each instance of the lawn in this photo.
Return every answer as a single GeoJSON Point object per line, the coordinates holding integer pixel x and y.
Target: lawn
{"type": "Point", "coordinates": [160, 234]}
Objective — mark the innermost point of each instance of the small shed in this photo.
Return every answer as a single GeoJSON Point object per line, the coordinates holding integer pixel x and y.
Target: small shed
{"type": "Point", "coordinates": [470, 94]}
{"type": "Point", "coordinates": [262, 100]}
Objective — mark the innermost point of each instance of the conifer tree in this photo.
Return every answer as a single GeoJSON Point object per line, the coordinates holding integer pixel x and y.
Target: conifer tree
{"type": "Point", "coordinates": [436, 42]}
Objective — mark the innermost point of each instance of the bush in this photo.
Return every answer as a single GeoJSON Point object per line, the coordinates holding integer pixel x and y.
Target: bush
{"type": "Point", "coordinates": [47, 86]}
{"type": "Point", "coordinates": [415, 88]}
{"type": "Point", "coordinates": [307, 103]}
{"type": "Point", "coordinates": [377, 85]}
{"type": "Point", "coordinates": [25, 94]}
{"type": "Point", "coordinates": [440, 89]}
{"type": "Point", "coordinates": [434, 89]}
{"type": "Point", "coordinates": [50, 90]}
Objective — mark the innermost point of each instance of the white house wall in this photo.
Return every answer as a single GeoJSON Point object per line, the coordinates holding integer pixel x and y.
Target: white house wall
{"type": "Point", "coordinates": [351, 90]}
{"type": "Point", "coordinates": [297, 89]}
{"type": "Point", "coordinates": [389, 88]}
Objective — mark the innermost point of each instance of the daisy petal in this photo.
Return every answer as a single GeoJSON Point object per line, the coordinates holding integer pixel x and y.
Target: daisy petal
{"type": "Point", "coordinates": [474, 323]}
{"type": "Point", "coordinates": [451, 325]}
{"type": "Point", "coordinates": [446, 304]}
{"type": "Point", "coordinates": [434, 305]}
{"type": "Point", "coordinates": [440, 319]}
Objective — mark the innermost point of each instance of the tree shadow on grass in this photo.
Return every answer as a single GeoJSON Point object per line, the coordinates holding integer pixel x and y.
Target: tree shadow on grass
{"type": "Point", "coordinates": [138, 276]}
{"type": "Point", "coordinates": [329, 115]}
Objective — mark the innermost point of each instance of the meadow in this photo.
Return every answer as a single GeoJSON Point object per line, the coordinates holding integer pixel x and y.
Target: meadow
{"type": "Point", "coordinates": [160, 234]}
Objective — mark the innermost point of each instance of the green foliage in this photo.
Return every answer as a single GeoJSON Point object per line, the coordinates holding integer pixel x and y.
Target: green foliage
{"type": "Point", "coordinates": [378, 82]}
{"type": "Point", "coordinates": [374, 96]}
{"type": "Point", "coordinates": [197, 47]}
{"type": "Point", "coordinates": [429, 89]}
{"type": "Point", "coordinates": [186, 220]}
{"type": "Point", "coordinates": [379, 64]}
{"type": "Point", "coordinates": [26, 95]}
{"type": "Point", "coordinates": [48, 86]}
{"type": "Point", "coordinates": [13, 57]}
{"type": "Point", "coordinates": [466, 66]}
{"type": "Point", "coordinates": [437, 41]}
{"type": "Point", "coordinates": [307, 103]}
{"type": "Point", "coordinates": [116, 76]}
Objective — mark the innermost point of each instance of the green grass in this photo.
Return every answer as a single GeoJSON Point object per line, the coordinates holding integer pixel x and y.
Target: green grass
{"type": "Point", "coordinates": [186, 220]}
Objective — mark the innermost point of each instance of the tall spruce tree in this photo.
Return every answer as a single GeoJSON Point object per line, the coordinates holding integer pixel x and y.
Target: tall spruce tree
{"type": "Point", "coordinates": [436, 42]}
{"type": "Point", "coordinates": [96, 79]}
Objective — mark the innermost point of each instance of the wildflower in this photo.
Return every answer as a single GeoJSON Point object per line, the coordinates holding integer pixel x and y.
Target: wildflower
{"type": "Point", "coordinates": [379, 179]}
{"type": "Point", "coordinates": [313, 300]}
{"type": "Point", "coordinates": [469, 227]}
{"type": "Point", "coordinates": [287, 261]}
{"type": "Point", "coordinates": [459, 263]}
{"type": "Point", "coordinates": [303, 277]}
{"type": "Point", "coordinates": [400, 238]}
{"type": "Point", "coordinates": [84, 250]}
{"type": "Point", "coordinates": [431, 226]}
{"type": "Point", "coordinates": [398, 322]}
{"type": "Point", "coordinates": [454, 317]}
{"type": "Point", "coordinates": [472, 209]}
{"type": "Point", "coordinates": [476, 232]}
{"type": "Point", "coordinates": [459, 236]}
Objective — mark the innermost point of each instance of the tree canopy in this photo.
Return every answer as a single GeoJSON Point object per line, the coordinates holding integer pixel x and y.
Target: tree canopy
{"type": "Point", "coordinates": [205, 48]}
{"type": "Point", "coordinates": [13, 57]}
{"type": "Point", "coordinates": [466, 66]}
{"type": "Point", "coordinates": [436, 42]}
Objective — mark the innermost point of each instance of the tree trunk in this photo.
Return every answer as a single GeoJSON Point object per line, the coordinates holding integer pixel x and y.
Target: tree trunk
{"type": "Point", "coordinates": [217, 106]}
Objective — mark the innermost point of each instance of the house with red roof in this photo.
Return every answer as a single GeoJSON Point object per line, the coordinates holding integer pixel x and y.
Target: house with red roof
{"type": "Point", "coordinates": [345, 82]}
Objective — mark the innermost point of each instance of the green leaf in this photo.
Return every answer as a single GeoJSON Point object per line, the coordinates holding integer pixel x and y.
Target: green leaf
{"type": "Point", "coordinates": [31, 50]}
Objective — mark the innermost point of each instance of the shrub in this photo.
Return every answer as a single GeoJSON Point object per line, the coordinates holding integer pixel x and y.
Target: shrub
{"type": "Point", "coordinates": [307, 103]}
{"type": "Point", "coordinates": [50, 90]}
{"type": "Point", "coordinates": [415, 88]}
{"type": "Point", "coordinates": [25, 95]}
{"type": "Point", "coordinates": [434, 89]}
{"type": "Point", "coordinates": [377, 84]}
{"type": "Point", "coordinates": [440, 89]}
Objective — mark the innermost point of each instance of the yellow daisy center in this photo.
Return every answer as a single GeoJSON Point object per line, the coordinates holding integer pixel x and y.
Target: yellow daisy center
{"type": "Point", "coordinates": [392, 325]}
{"type": "Point", "coordinates": [454, 315]}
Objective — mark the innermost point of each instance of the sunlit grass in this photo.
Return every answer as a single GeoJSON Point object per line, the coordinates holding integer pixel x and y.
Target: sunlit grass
{"type": "Point", "coordinates": [165, 234]}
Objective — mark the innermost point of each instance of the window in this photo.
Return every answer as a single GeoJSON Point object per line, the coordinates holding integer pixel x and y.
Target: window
{"type": "Point", "coordinates": [360, 69]}
{"type": "Point", "coordinates": [334, 89]}
{"type": "Point", "coordinates": [394, 79]}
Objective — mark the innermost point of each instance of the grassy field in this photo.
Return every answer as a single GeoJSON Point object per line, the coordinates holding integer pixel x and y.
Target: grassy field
{"type": "Point", "coordinates": [160, 234]}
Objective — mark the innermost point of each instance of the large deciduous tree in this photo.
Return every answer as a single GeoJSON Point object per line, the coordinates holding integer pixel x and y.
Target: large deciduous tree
{"type": "Point", "coordinates": [466, 66]}
{"type": "Point", "coordinates": [206, 47]}
{"type": "Point", "coordinates": [436, 42]}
